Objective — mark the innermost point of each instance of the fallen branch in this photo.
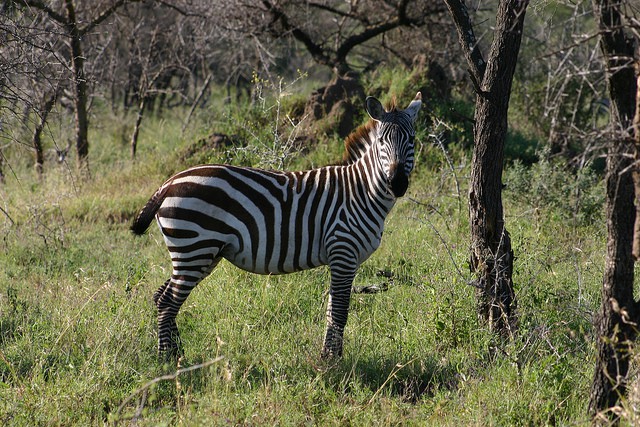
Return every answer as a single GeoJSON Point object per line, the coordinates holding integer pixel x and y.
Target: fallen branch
{"type": "Point", "coordinates": [167, 377]}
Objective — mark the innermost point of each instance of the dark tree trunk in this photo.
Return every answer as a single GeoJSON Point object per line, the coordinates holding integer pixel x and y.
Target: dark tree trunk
{"type": "Point", "coordinates": [491, 257]}
{"type": "Point", "coordinates": [491, 254]}
{"type": "Point", "coordinates": [136, 128]}
{"type": "Point", "coordinates": [613, 324]}
{"type": "Point", "coordinates": [617, 318]}
{"type": "Point", "coordinates": [80, 87]}
{"type": "Point", "coordinates": [47, 105]}
{"type": "Point", "coordinates": [636, 171]}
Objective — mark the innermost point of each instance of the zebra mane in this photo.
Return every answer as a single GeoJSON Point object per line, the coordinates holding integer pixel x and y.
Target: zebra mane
{"type": "Point", "coordinates": [359, 141]}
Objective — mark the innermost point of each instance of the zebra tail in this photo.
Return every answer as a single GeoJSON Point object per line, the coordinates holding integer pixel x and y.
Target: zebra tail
{"type": "Point", "coordinates": [145, 216]}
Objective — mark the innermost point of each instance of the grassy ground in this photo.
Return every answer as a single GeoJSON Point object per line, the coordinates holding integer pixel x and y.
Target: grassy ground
{"type": "Point", "coordinates": [78, 331]}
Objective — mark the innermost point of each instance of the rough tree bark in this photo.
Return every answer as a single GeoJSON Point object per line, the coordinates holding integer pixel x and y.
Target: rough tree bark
{"type": "Point", "coordinates": [617, 320]}
{"type": "Point", "coordinates": [491, 257]}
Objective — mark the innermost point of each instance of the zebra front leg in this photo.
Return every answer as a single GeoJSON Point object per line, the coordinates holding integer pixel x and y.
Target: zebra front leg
{"type": "Point", "coordinates": [337, 313]}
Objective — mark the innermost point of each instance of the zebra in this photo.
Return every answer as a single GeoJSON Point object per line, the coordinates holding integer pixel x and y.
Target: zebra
{"type": "Point", "coordinates": [272, 222]}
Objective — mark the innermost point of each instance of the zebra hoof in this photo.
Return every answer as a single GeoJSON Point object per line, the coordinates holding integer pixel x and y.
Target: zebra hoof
{"type": "Point", "coordinates": [170, 354]}
{"type": "Point", "coordinates": [331, 354]}
{"type": "Point", "coordinates": [170, 351]}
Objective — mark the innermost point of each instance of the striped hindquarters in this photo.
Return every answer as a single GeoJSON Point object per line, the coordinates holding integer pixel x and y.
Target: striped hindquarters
{"type": "Point", "coordinates": [262, 221]}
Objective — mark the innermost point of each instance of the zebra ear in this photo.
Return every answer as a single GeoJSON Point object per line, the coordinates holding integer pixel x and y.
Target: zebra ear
{"type": "Point", "coordinates": [374, 108]}
{"type": "Point", "coordinates": [414, 107]}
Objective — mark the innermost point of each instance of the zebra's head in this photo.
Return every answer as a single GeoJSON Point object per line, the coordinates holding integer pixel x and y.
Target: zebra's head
{"type": "Point", "coordinates": [395, 136]}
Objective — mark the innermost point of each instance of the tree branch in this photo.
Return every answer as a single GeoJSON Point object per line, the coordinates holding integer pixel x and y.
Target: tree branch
{"type": "Point", "coordinates": [333, 10]}
{"type": "Point", "coordinates": [468, 41]}
{"type": "Point", "coordinates": [64, 20]}
{"type": "Point", "coordinates": [37, 4]}
{"type": "Point", "coordinates": [373, 31]}
{"type": "Point", "coordinates": [395, 15]}
{"type": "Point", "coordinates": [314, 49]}
{"type": "Point", "coordinates": [369, 33]}
{"type": "Point", "coordinates": [104, 15]}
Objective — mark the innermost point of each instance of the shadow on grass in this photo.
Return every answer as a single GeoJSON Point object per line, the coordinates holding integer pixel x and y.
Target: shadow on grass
{"type": "Point", "coordinates": [410, 381]}
{"type": "Point", "coordinates": [360, 377]}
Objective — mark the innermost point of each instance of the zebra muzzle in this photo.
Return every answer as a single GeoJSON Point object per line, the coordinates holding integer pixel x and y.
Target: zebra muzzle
{"type": "Point", "coordinates": [399, 181]}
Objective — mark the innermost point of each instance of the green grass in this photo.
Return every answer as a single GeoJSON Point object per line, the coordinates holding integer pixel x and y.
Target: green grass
{"type": "Point", "coordinates": [78, 326]}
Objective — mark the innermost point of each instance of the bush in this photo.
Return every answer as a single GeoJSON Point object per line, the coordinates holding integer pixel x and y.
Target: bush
{"type": "Point", "coordinates": [551, 187]}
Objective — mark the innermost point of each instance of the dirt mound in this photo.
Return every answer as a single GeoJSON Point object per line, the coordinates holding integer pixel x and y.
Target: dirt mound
{"type": "Point", "coordinates": [214, 142]}
{"type": "Point", "coordinates": [334, 108]}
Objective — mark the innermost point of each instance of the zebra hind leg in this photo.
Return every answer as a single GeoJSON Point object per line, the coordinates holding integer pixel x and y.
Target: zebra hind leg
{"type": "Point", "coordinates": [157, 294]}
{"type": "Point", "coordinates": [337, 313]}
{"type": "Point", "coordinates": [170, 297]}
{"type": "Point", "coordinates": [168, 306]}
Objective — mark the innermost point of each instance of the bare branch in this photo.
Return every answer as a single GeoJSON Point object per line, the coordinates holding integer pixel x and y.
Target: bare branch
{"type": "Point", "coordinates": [468, 41]}
{"type": "Point", "coordinates": [104, 15]}
{"type": "Point", "coordinates": [314, 49]}
{"type": "Point", "coordinates": [165, 377]}
{"type": "Point", "coordinates": [332, 10]}
{"type": "Point", "coordinates": [37, 4]}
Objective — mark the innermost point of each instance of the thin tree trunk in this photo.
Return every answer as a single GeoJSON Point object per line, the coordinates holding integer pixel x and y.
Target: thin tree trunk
{"type": "Point", "coordinates": [617, 319]}
{"type": "Point", "coordinates": [492, 257]}
{"type": "Point", "coordinates": [37, 133]}
{"type": "Point", "coordinates": [1, 167]}
{"type": "Point", "coordinates": [136, 127]}
{"type": "Point", "coordinates": [196, 101]}
{"type": "Point", "coordinates": [80, 87]}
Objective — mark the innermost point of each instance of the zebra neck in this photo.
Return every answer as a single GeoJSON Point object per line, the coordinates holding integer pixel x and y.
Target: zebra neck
{"type": "Point", "coordinates": [371, 179]}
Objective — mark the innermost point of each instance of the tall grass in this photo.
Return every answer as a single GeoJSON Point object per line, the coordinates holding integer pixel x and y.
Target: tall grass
{"type": "Point", "coordinates": [78, 326]}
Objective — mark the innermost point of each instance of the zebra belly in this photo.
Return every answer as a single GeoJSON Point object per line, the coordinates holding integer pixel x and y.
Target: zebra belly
{"type": "Point", "coordinates": [245, 260]}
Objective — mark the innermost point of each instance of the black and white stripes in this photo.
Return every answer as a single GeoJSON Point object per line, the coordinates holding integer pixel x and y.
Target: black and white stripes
{"type": "Point", "coordinates": [270, 222]}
